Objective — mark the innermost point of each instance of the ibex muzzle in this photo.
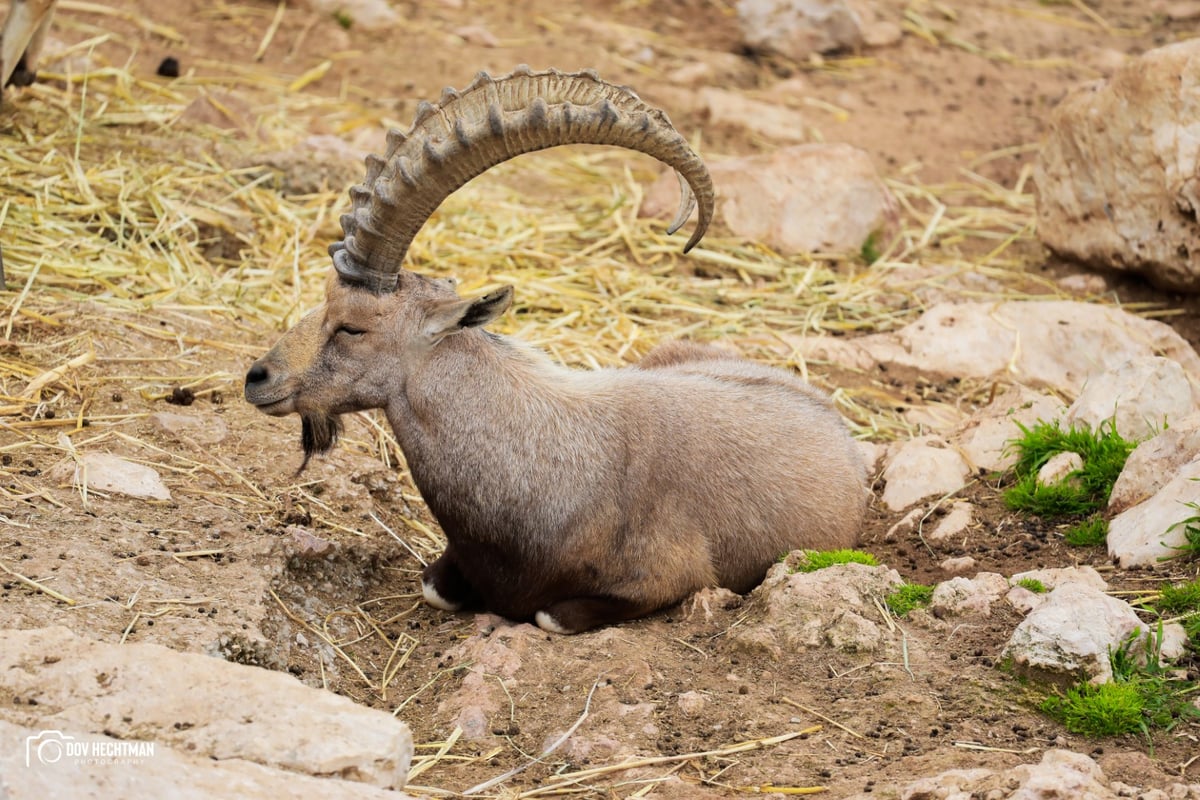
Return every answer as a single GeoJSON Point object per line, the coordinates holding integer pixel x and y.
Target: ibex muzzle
{"type": "Point", "coordinates": [572, 498]}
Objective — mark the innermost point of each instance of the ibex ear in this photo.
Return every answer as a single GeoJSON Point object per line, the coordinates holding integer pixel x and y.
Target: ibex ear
{"type": "Point", "coordinates": [452, 317]}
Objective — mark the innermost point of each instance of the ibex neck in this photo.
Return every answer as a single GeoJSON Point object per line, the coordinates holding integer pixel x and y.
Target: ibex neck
{"type": "Point", "coordinates": [475, 388]}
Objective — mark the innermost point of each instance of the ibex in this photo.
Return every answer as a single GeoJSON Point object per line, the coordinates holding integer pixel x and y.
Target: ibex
{"type": "Point", "coordinates": [22, 39]}
{"type": "Point", "coordinates": [571, 498]}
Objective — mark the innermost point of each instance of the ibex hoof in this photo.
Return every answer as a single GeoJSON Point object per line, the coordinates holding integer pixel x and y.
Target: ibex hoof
{"type": "Point", "coordinates": [550, 624]}
{"type": "Point", "coordinates": [436, 600]}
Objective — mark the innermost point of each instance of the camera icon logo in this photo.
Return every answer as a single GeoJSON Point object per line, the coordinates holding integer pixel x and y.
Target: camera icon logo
{"type": "Point", "coordinates": [47, 747]}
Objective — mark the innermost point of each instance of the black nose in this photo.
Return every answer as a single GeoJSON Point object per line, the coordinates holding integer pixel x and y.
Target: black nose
{"type": "Point", "coordinates": [257, 374]}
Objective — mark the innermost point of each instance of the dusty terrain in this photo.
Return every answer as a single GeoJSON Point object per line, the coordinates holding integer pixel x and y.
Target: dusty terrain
{"type": "Point", "coordinates": [225, 566]}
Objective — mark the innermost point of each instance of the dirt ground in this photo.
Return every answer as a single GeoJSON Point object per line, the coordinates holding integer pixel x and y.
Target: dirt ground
{"type": "Point", "coordinates": [190, 573]}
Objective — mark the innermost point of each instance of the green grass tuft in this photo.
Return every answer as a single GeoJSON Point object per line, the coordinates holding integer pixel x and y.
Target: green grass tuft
{"type": "Point", "coordinates": [1182, 600]}
{"type": "Point", "coordinates": [869, 252]}
{"type": "Point", "coordinates": [1179, 598]}
{"type": "Point", "coordinates": [1103, 451]}
{"type": "Point", "coordinates": [1143, 695]}
{"type": "Point", "coordinates": [1092, 532]}
{"type": "Point", "coordinates": [814, 560]}
{"type": "Point", "coordinates": [908, 597]}
{"type": "Point", "coordinates": [1107, 709]}
{"type": "Point", "coordinates": [1033, 585]}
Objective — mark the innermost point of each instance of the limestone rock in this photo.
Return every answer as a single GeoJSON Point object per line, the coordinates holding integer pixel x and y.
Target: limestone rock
{"type": "Point", "coordinates": [1149, 531]}
{"type": "Point", "coordinates": [798, 28]}
{"type": "Point", "coordinates": [986, 436]}
{"type": "Point", "coordinates": [1060, 774]}
{"type": "Point", "coordinates": [1058, 344]}
{"type": "Point", "coordinates": [1083, 285]}
{"type": "Point", "coordinates": [1140, 396]}
{"type": "Point", "coordinates": [961, 565]}
{"type": "Point", "coordinates": [922, 467]}
{"type": "Point", "coordinates": [799, 199]}
{"type": "Point", "coordinates": [1053, 577]}
{"type": "Point", "coordinates": [1118, 177]}
{"type": "Point", "coordinates": [363, 15]}
{"type": "Point", "coordinates": [954, 523]}
{"type": "Point", "coordinates": [1154, 462]}
{"type": "Point", "coordinates": [1023, 600]}
{"type": "Point", "coordinates": [1069, 636]}
{"type": "Point", "coordinates": [1059, 468]}
{"type": "Point", "coordinates": [961, 596]}
{"type": "Point", "coordinates": [830, 607]}
{"type": "Point", "coordinates": [105, 472]}
{"type": "Point", "coordinates": [168, 772]}
{"type": "Point", "coordinates": [208, 707]}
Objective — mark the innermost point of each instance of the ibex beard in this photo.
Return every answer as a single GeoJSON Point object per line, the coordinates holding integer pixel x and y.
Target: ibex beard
{"type": "Point", "coordinates": [318, 434]}
{"type": "Point", "coordinates": [569, 498]}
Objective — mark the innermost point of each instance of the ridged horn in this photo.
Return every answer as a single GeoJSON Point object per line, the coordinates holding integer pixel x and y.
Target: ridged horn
{"type": "Point", "coordinates": [489, 122]}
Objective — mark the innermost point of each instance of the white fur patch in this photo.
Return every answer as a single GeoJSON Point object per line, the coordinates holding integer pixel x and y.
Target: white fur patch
{"type": "Point", "coordinates": [436, 600]}
{"type": "Point", "coordinates": [549, 623]}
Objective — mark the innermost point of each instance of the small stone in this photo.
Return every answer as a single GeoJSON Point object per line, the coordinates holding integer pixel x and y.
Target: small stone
{"type": "Point", "coordinates": [960, 596]}
{"type": "Point", "coordinates": [798, 29]}
{"type": "Point", "coordinates": [962, 565]}
{"type": "Point", "coordinates": [923, 467]}
{"type": "Point", "coordinates": [477, 35]}
{"type": "Point", "coordinates": [1084, 285]}
{"type": "Point", "coordinates": [954, 523]}
{"type": "Point", "coordinates": [1060, 468]}
{"type": "Point", "coordinates": [104, 472]}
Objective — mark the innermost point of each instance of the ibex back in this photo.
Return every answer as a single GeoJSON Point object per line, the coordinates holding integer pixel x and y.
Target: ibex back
{"type": "Point", "coordinates": [573, 498]}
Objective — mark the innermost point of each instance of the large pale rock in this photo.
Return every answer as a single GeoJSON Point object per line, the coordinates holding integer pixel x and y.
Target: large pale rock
{"type": "Point", "coordinates": [800, 199]}
{"type": "Point", "coordinates": [166, 772]}
{"type": "Point", "coordinates": [1119, 174]}
{"type": "Point", "coordinates": [1154, 462]}
{"type": "Point", "coordinates": [208, 707]}
{"type": "Point", "coordinates": [831, 607]}
{"type": "Point", "coordinates": [105, 472]}
{"type": "Point", "coordinates": [985, 438]}
{"type": "Point", "coordinates": [923, 467]}
{"type": "Point", "coordinates": [799, 28]}
{"type": "Point", "coordinates": [1149, 532]}
{"type": "Point", "coordinates": [1070, 635]}
{"type": "Point", "coordinates": [1140, 397]}
{"type": "Point", "coordinates": [1058, 344]}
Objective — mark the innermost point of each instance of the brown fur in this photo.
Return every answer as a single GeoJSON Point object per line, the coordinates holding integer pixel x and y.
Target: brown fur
{"type": "Point", "coordinates": [579, 498]}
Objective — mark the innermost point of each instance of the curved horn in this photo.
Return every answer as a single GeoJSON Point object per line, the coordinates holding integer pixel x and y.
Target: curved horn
{"type": "Point", "coordinates": [491, 121]}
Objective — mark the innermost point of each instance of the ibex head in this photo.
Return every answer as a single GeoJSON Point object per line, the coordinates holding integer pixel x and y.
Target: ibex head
{"type": "Point", "coordinates": [379, 321]}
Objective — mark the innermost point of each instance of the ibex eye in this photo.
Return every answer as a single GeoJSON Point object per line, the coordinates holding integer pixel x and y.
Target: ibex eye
{"type": "Point", "coordinates": [349, 330]}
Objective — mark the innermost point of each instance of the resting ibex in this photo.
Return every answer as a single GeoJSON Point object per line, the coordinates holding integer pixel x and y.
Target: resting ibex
{"type": "Point", "coordinates": [572, 498]}
{"type": "Point", "coordinates": [21, 40]}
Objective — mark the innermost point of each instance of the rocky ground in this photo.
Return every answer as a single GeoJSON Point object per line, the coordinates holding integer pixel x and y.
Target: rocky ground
{"type": "Point", "coordinates": [807, 682]}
